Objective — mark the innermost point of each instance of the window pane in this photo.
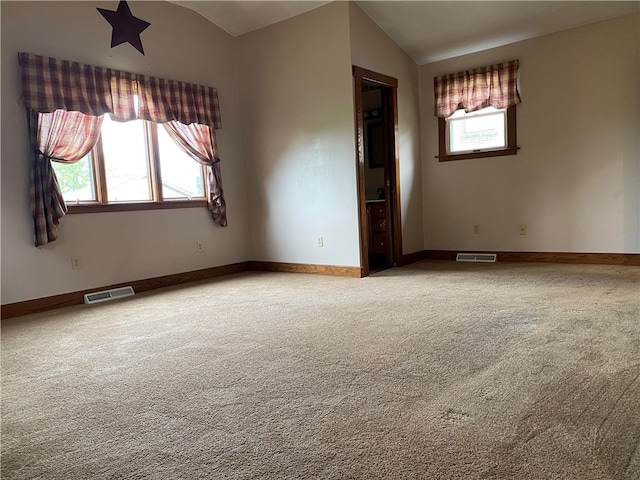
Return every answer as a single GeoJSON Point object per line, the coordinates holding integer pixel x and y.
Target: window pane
{"type": "Point", "coordinates": [181, 174]}
{"type": "Point", "coordinates": [480, 130]}
{"type": "Point", "coordinates": [125, 160]}
{"type": "Point", "coordinates": [76, 180]}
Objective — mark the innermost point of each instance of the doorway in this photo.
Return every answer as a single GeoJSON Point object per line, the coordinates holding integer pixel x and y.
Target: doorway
{"type": "Point", "coordinates": [377, 170]}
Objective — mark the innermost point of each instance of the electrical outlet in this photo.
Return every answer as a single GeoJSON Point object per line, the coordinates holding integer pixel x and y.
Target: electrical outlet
{"type": "Point", "coordinates": [476, 229]}
{"type": "Point", "coordinates": [320, 241]}
{"type": "Point", "coordinates": [75, 263]}
{"type": "Point", "coordinates": [523, 229]}
{"type": "Point", "coordinates": [199, 247]}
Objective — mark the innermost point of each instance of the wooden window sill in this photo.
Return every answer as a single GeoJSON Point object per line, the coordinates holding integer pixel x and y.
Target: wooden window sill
{"type": "Point", "coordinates": [77, 208]}
{"type": "Point", "coordinates": [484, 154]}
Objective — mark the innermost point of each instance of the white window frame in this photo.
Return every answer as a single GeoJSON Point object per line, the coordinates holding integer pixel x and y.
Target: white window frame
{"type": "Point", "coordinates": [460, 116]}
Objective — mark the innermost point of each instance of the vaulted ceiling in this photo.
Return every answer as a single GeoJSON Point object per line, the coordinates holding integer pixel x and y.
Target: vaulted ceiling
{"type": "Point", "coordinates": [430, 30]}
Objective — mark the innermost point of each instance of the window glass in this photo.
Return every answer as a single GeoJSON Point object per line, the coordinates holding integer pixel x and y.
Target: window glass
{"type": "Point", "coordinates": [481, 130]}
{"type": "Point", "coordinates": [181, 174]}
{"type": "Point", "coordinates": [125, 160]}
{"type": "Point", "coordinates": [76, 180]}
{"type": "Point", "coordinates": [123, 164]}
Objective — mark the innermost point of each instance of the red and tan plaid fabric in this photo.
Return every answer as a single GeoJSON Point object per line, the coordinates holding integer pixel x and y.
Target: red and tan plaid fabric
{"type": "Point", "coordinates": [49, 84]}
{"type": "Point", "coordinates": [471, 90]}
{"type": "Point", "coordinates": [65, 137]}
{"type": "Point", "coordinates": [163, 101]}
{"type": "Point", "coordinates": [200, 143]}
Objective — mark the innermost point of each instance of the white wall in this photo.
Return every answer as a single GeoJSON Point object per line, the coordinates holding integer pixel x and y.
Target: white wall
{"type": "Point", "coordinates": [372, 49]}
{"type": "Point", "coordinates": [576, 180]}
{"type": "Point", "coordinates": [298, 125]}
{"type": "Point", "coordinates": [116, 247]}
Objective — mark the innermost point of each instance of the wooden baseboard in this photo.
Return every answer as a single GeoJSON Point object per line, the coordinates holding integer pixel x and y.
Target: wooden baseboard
{"type": "Point", "coordinates": [26, 307]}
{"type": "Point", "coordinates": [412, 258]}
{"type": "Point", "coordinates": [627, 259]}
{"type": "Point", "coordinates": [352, 272]}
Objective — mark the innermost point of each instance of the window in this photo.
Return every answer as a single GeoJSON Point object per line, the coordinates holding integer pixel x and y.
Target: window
{"type": "Point", "coordinates": [488, 132]}
{"type": "Point", "coordinates": [182, 177]}
{"type": "Point", "coordinates": [134, 165]}
{"type": "Point", "coordinates": [476, 112]}
{"type": "Point", "coordinates": [476, 131]}
{"type": "Point", "coordinates": [123, 170]}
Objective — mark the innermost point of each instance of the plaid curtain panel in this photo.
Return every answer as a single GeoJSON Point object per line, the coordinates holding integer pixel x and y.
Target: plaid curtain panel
{"type": "Point", "coordinates": [64, 137]}
{"type": "Point", "coordinates": [49, 84]}
{"type": "Point", "coordinates": [162, 101]}
{"type": "Point", "coordinates": [471, 90]}
{"type": "Point", "coordinates": [199, 142]}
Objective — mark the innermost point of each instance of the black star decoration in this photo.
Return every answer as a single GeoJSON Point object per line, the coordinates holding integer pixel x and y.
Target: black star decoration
{"type": "Point", "coordinates": [126, 27]}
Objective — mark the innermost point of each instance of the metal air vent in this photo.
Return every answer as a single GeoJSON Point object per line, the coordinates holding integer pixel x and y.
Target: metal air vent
{"type": "Point", "coordinates": [476, 257]}
{"type": "Point", "coordinates": [106, 295]}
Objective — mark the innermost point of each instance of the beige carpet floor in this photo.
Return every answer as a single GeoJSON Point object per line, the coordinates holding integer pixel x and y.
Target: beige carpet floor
{"type": "Point", "coordinates": [437, 370]}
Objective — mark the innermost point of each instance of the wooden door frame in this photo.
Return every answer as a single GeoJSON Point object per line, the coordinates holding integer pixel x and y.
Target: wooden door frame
{"type": "Point", "coordinates": [360, 75]}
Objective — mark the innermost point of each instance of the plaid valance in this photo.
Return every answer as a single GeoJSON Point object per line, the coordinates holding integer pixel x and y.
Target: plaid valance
{"type": "Point", "coordinates": [471, 90]}
{"type": "Point", "coordinates": [49, 84]}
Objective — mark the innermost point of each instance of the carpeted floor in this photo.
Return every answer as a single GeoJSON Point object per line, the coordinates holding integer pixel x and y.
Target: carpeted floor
{"type": "Point", "coordinates": [438, 370]}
